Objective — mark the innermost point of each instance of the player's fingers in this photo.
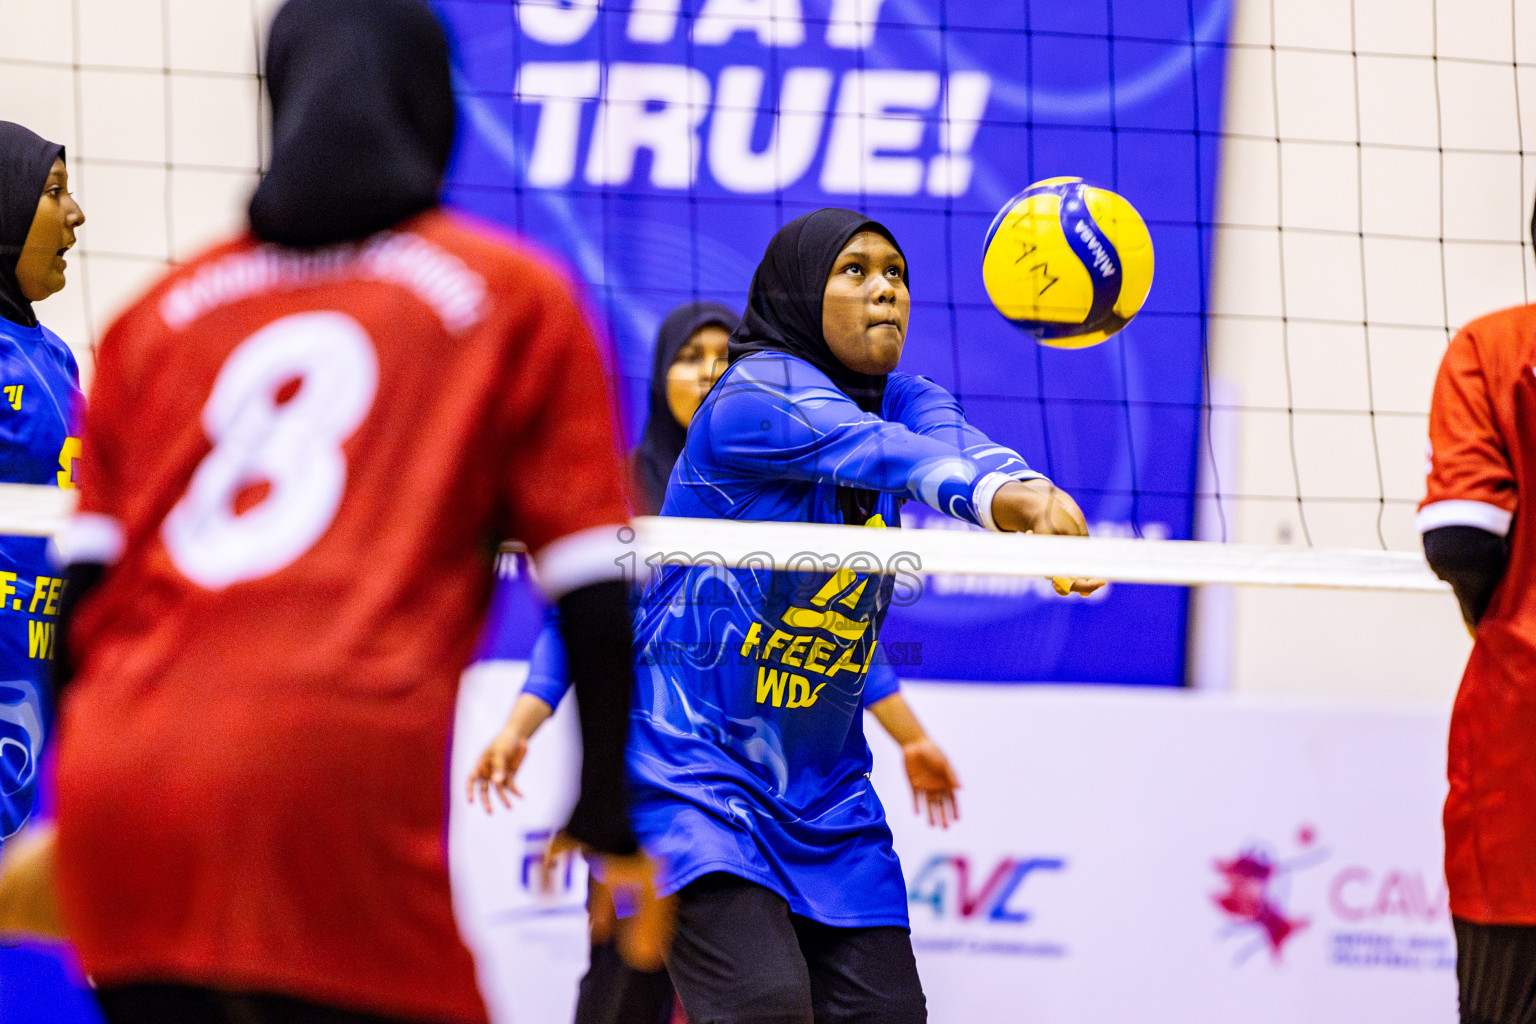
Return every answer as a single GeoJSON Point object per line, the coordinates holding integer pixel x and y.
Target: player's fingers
{"type": "Point", "coordinates": [547, 870]}
{"type": "Point", "coordinates": [646, 938]}
{"type": "Point", "coordinates": [478, 776]}
{"type": "Point", "coordinates": [600, 911]}
{"type": "Point", "coordinates": [499, 775]}
{"type": "Point", "coordinates": [644, 935]}
{"type": "Point", "coordinates": [501, 793]}
{"type": "Point", "coordinates": [1087, 586]}
{"type": "Point", "coordinates": [559, 847]}
{"type": "Point", "coordinates": [27, 905]}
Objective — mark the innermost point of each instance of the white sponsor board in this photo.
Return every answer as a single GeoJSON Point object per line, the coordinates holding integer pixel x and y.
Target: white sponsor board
{"type": "Point", "coordinates": [1122, 855]}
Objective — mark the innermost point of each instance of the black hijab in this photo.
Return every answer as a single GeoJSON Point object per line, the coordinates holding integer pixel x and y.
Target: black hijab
{"type": "Point", "coordinates": [784, 315]}
{"type": "Point", "coordinates": [362, 119]}
{"type": "Point", "coordinates": [25, 160]}
{"type": "Point", "coordinates": [663, 439]}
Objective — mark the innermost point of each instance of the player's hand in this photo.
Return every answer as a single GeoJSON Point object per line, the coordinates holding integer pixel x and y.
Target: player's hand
{"type": "Point", "coordinates": [1066, 585]}
{"type": "Point", "coordinates": [27, 906]}
{"type": "Point", "coordinates": [933, 781]}
{"type": "Point", "coordinates": [497, 769]}
{"type": "Point", "coordinates": [644, 936]}
{"type": "Point", "coordinates": [1039, 506]}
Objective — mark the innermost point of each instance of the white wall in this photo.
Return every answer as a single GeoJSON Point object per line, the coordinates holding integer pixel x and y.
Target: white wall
{"type": "Point", "coordinates": [1341, 799]}
{"type": "Point", "coordinates": [1385, 247]}
{"type": "Point", "coordinates": [157, 106]}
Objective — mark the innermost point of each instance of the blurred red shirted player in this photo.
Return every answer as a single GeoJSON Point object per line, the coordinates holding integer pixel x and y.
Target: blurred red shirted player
{"type": "Point", "coordinates": [1481, 536]}
{"type": "Point", "coordinates": [300, 452]}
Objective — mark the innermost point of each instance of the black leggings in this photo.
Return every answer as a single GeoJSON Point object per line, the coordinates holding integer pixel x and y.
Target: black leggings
{"type": "Point", "coordinates": [1496, 972]}
{"type": "Point", "coordinates": [740, 957]}
{"type": "Point", "coordinates": [612, 992]}
{"type": "Point", "coordinates": [192, 1004]}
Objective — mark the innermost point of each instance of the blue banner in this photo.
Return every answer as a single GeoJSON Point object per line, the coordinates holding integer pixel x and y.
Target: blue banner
{"type": "Point", "coordinates": [658, 144]}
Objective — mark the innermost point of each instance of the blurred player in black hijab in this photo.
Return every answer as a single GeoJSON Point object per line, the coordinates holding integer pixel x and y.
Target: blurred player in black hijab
{"type": "Point", "coordinates": [690, 356]}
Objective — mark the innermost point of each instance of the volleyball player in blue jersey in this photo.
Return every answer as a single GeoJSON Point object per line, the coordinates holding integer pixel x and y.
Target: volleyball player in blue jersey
{"type": "Point", "coordinates": [690, 355]}
{"type": "Point", "coordinates": [748, 764]}
{"type": "Point", "coordinates": [39, 393]}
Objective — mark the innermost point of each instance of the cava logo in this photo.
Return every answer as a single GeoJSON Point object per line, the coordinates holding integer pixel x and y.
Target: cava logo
{"type": "Point", "coordinates": [1365, 916]}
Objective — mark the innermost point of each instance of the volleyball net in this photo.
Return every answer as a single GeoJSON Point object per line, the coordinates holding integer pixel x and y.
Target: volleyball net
{"type": "Point", "coordinates": [38, 511]}
{"type": "Point", "coordinates": [1331, 190]}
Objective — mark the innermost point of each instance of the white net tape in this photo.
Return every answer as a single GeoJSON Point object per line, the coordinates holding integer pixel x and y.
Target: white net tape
{"type": "Point", "coordinates": [34, 511]}
{"type": "Point", "coordinates": [29, 510]}
{"type": "Point", "coordinates": [1123, 560]}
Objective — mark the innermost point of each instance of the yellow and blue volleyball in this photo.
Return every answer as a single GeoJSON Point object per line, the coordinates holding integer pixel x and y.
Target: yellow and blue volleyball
{"type": "Point", "coordinates": [1068, 262]}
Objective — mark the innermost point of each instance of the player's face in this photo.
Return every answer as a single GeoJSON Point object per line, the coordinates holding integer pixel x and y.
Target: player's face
{"type": "Point", "coordinates": [40, 269]}
{"type": "Point", "coordinates": [864, 309]}
{"type": "Point", "coordinates": [699, 363]}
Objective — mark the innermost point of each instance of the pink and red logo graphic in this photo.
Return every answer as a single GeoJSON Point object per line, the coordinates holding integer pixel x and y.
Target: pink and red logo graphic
{"type": "Point", "coordinates": [1256, 890]}
{"type": "Point", "coordinates": [1365, 916]}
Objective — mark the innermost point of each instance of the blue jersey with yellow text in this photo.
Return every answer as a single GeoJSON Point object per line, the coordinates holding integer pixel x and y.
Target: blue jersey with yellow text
{"type": "Point", "coordinates": [39, 396]}
{"type": "Point", "coordinates": [549, 678]}
{"type": "Point", "coordinates": [747, 745]}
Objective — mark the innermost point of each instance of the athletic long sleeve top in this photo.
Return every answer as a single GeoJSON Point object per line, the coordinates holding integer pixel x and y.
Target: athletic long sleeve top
{"type": "Point", "coordinates": [38, 405]}
{"type": "Point", "coordinates": [747, 748]}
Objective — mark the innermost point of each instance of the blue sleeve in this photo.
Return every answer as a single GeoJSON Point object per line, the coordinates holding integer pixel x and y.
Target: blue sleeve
{"type": "Point", "coordinates": [780, 417]}
{"type": "Point", "coordinates": [548, 678]}
{"type": "Point", "coordinates": [71, 367]}
{"type": "Point", "coordinates": [927, 409]}
{"type": "Point", "coordinates": [879, 683]}
{"type": "Point", "coordinates": [65, 356]}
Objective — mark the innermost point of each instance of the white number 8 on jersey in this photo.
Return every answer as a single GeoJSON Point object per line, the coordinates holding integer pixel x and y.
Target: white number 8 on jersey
{"type": "Point", "coordinates": [294, 446]}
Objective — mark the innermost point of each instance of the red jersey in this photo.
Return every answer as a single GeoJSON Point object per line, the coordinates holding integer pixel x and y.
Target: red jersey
{"type": "Point", "coordinates": [1482, 431]}
{"type": "Point", "coordinates": [299, 465]}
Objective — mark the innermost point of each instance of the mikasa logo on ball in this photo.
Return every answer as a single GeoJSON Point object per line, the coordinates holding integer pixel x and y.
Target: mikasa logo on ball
{"type": "Point", "coordinates": [1101, 261]}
